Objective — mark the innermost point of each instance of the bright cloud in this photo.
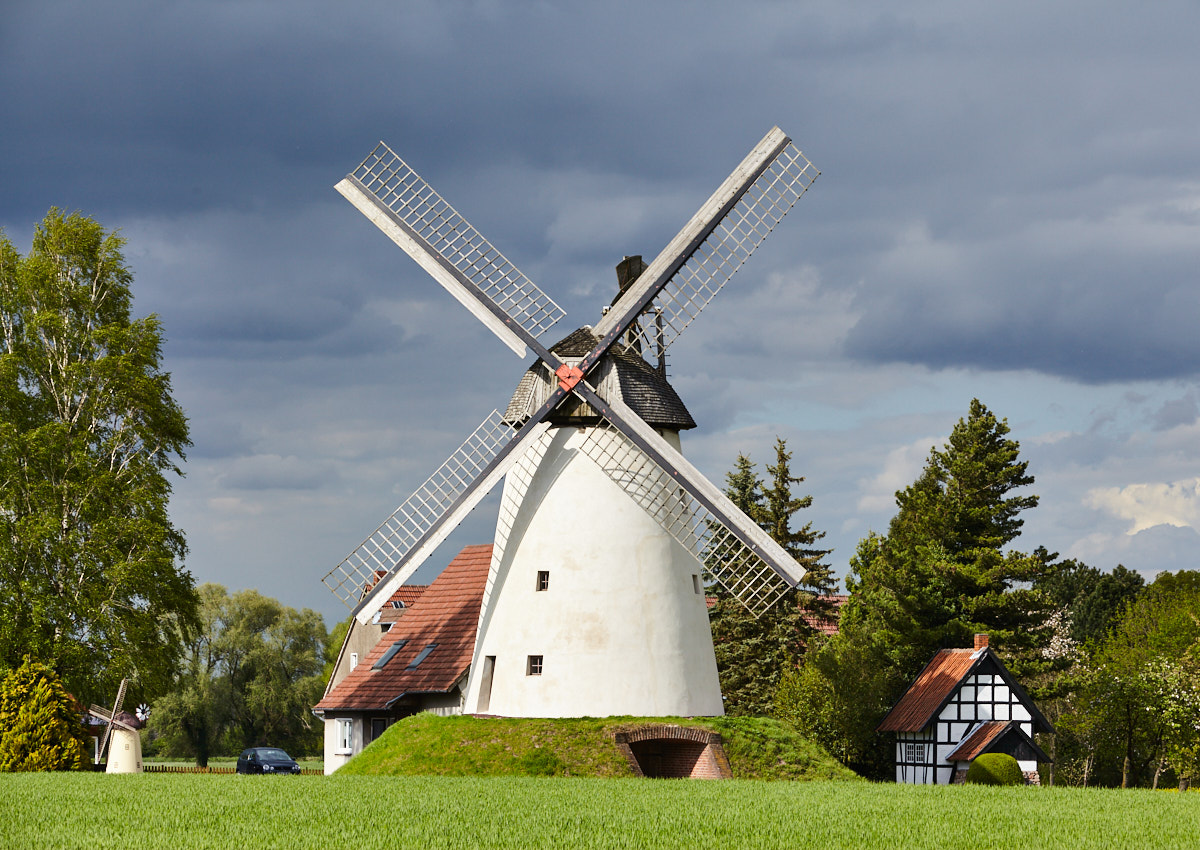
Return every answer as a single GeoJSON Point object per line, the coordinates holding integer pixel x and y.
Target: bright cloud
{"type": "Point", "coordinates": [1148, 505]}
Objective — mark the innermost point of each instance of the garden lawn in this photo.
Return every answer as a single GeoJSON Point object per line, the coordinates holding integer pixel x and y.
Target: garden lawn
{"type": "Point", "coordinates": [223, 811]}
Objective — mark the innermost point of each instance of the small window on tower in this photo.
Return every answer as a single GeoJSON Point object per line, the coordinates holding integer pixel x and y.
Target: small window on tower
{"type": "Point", "coordinates": [533, 666]}
{"type": "Point", "coordinates": [696, 584]}
{"type": "Point", "coordinates": [543, 580]}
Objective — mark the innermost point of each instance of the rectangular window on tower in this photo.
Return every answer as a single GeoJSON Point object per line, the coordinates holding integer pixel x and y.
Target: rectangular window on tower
{"type": "Point", "coordinates": [543, 580]}
{"type": "Point", "coordinates": [533, 667]}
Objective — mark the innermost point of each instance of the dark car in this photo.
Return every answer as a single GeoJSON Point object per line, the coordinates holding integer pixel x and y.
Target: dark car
{"type": "Point", "coordinates": [266, 760]}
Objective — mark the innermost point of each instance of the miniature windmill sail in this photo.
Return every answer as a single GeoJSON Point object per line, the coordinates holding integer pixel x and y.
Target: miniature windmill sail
{"type": "Point", "coordinates": [680, 282]}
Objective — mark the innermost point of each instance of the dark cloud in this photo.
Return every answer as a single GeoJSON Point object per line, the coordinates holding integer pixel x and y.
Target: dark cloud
{"type": "Point", "coordinates": [1005, 190]}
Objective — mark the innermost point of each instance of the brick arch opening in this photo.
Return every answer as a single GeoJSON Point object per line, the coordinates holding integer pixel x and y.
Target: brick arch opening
{"type": "Point", "coordinates": [674, 752]}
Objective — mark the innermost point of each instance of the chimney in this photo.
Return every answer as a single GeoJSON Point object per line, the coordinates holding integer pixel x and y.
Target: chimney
{"type": "Point", "coordinates": [981, 642]}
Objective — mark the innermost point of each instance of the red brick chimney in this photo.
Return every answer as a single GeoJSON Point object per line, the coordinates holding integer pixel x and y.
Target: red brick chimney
{"type": "Point", "coordinates": [980, 642]}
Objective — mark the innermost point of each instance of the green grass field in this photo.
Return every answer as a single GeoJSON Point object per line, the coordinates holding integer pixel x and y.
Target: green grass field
{"type": "Point", "coordinates": [88, 811]}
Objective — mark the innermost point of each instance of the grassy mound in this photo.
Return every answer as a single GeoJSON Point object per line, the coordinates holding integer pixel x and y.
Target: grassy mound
{"type": "Point", "coordinates": [425, 744]}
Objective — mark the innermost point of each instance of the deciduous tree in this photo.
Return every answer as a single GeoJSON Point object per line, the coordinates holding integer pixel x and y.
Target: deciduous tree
{"type": "Point", "coordinates": [251, 676]}
{"type": "Point", "coordinates": [90, 572]}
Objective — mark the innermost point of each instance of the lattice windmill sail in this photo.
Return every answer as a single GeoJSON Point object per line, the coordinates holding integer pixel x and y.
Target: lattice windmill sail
{"type": "Point", "coordinates": [121, 745]}
{"type": "Point", "coordinates": [676, 286]}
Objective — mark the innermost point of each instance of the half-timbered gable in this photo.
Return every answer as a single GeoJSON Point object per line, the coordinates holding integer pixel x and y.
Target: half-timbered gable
{"type": "Point", "coordinates": [963, 704]}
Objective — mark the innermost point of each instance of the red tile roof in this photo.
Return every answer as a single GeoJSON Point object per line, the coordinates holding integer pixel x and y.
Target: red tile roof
{"type": "Point", "coordinates": [930, 691]}
{"type": "Point", "coordinates": [407, 595]}
{"type": "Point", "coordinates": [447, 615]}
{"type": "Point", "coordinates": [826, 625]}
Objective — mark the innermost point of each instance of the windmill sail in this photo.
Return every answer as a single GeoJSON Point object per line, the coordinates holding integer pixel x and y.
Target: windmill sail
{"type": "Point", "coordinates": [705, 255]}
{"type": "Point", "coordinates": [732, 548]}
{"type": "Point", "coordinates": [419, 220]}
{"type": "Point", "coordinates": [427, 517]}
{"type": "Point", "coordinates": [693, 267]}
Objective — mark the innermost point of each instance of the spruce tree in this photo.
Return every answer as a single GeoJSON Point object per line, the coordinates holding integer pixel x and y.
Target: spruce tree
{"type": "Point", "coordinates": [753, 654]}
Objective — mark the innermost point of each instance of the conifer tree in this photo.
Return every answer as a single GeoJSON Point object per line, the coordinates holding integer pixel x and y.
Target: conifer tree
{"type": "Point", "coordinates": [41, 724]}
{"type": "Point", "coordinates": [753, 654]}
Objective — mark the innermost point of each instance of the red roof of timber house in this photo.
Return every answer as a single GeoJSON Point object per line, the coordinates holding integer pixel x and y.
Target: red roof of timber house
{"type": "Point", "coordinates": [975, 743]}
{"type": "Point", "coordinates": [447, 614]}
{"type": "Point", "coordinates": [991, 736]}
{"type": "Point", "coordinates": [925, 697]}
{"type": "Point", "coordinates": [939, 680]}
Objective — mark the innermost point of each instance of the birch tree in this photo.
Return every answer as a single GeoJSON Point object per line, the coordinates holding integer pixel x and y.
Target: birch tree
{"type": "Point", "coordinates": [91, 579]}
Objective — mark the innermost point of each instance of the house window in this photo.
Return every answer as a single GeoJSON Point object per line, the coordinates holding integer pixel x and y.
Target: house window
{"type": "Point", "coordinates": [914, 753]}
{"type": "Point", "coordinates": [353, 660]}
{"type": "Point", "coordinates": [533, 667]}
{"type": "Point", "coordinates": [543, 580]}
{"type": "Point", "coordinates": [421, 656]}
{"type": "Point", "coordinates": [389, 655]}
{"type": "Point", "coordinates": [345, 736]}
{"type": "Point", "coordinates": [378, 726]}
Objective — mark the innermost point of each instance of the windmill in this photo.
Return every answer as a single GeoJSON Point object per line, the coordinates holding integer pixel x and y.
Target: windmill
{"type": "Point", "coordinates": [607, 534]}
{"type": "Point", "coordinates": [121, 742]}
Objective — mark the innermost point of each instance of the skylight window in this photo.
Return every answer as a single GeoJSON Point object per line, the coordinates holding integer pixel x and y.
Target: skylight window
{"type": "Point", "coordinates": [389, 655]}
{"type": "Point", "coordinates": [421, 656]}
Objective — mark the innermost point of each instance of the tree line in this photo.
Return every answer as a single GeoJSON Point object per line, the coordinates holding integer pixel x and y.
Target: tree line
{"type": "Point", "coordinates": [93, 588]}
{"type": "Point", "coordinates": [1112, 662]}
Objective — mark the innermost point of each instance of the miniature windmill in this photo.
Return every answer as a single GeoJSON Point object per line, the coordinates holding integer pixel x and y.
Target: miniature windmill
{"type": "Point", "coordinates": [595, 600]}
{"type": "Point", "coordinates": [121, 742]}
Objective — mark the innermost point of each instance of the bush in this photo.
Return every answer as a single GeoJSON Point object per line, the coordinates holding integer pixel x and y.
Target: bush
{"type": "Point", "coordinates": [40, 725]}
{"type": "Point", "coordinates": [995, 769]}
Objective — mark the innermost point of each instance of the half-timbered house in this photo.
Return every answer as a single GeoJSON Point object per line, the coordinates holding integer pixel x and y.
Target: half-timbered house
{"type": "Point", "coordinates": [963, 704]}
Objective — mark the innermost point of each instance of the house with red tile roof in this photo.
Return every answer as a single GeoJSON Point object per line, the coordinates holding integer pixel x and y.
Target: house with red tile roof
{"type": "Point", "coordinates": [419, 663]}
{"type": "Point", "coordinates": [361, 638]}
{"type": "Point", "coordinates": [963, 704]}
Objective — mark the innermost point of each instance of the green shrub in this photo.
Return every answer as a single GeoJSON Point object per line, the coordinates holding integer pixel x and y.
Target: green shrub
{"type": "Point", "coordinates": [40, 725]}
{"type": "Point", "coordinates": [995, 769]}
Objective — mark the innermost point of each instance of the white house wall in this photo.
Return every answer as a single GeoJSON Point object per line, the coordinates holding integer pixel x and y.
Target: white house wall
{"type": "Point", "coordinates": [622, 627]}
{"type": "Point", "coordinates": [335, 754]}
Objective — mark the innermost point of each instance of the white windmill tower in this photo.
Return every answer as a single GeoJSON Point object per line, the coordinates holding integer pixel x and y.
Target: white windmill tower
{"type": "Point", "coordinates": [121, 741]}
{"type": "Point", "coordinates": [606, 535]}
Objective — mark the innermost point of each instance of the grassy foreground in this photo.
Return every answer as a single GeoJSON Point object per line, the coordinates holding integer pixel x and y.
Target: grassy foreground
{"type": "Point", "coordinates": [88, 811]}
{"type": "Point", "coordinates": [427, 745]}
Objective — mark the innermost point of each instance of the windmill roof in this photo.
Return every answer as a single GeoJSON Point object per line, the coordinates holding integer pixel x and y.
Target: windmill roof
{"type": "Point", "coordinates": [446, 615]}
{"type": "Point", "coordinates": [942, 676]}
{"type": "Point", "coordinates": [621, 374]}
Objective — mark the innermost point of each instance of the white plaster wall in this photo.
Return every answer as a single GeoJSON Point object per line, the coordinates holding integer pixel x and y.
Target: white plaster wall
{"type": "Point", "coordinates": [333, 757]}
{"type": "Point", "coordinates": [621, 629]}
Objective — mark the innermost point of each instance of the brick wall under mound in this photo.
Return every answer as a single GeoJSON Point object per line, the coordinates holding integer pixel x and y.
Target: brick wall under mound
{"type": "Point", "coordinates": [674, 752]}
